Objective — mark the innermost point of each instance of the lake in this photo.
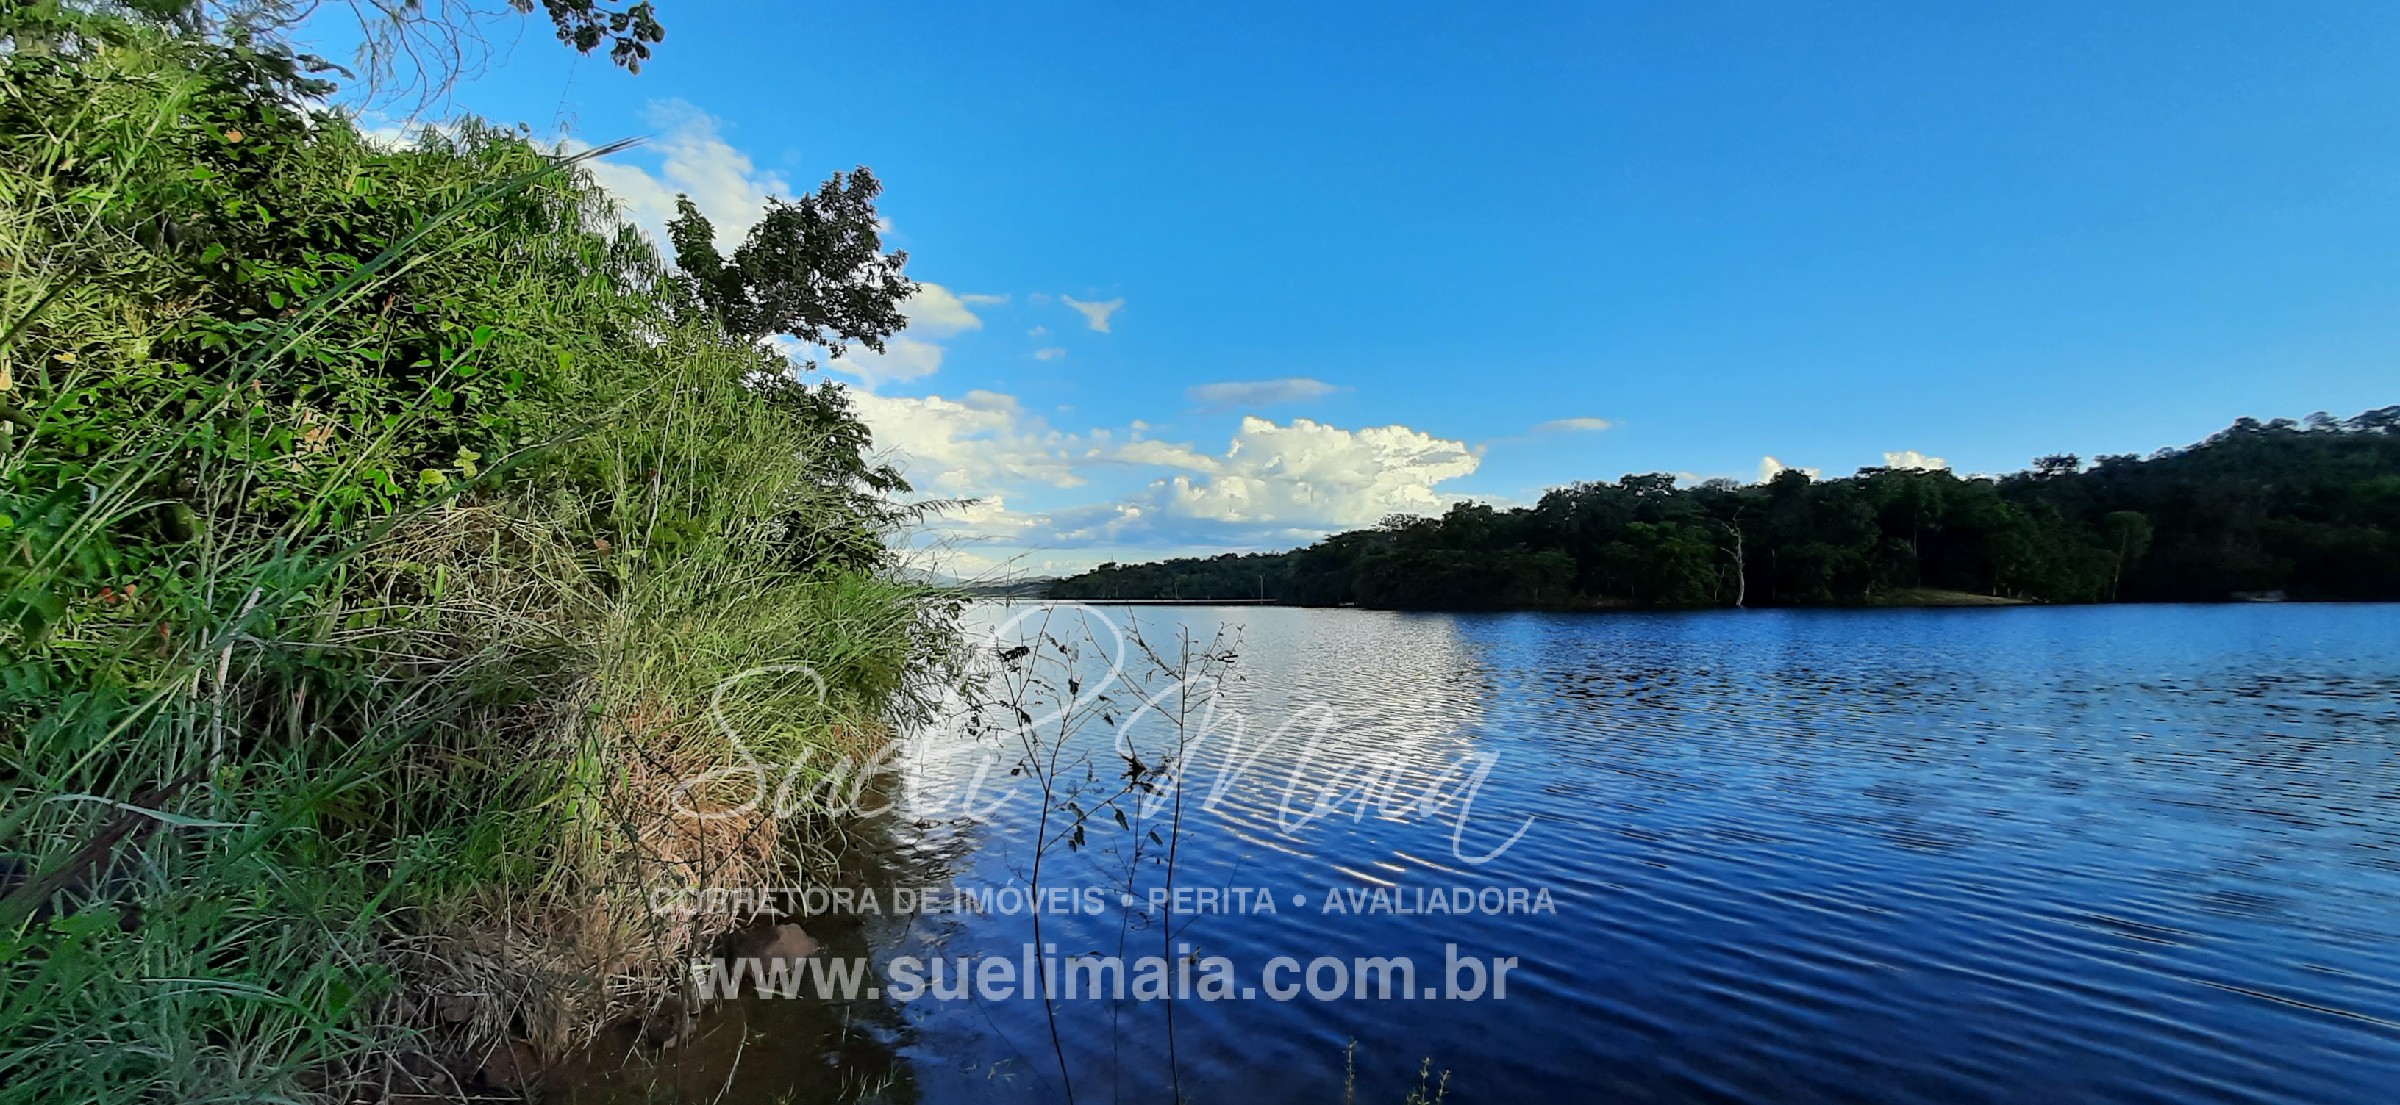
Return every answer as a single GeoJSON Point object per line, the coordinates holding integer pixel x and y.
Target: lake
{"type": "Point", "coordinates": [2026, 854]}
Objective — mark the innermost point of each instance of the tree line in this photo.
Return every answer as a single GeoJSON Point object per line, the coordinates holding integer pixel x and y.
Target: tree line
{"type": "Point", "coordinates": [2309, 509]}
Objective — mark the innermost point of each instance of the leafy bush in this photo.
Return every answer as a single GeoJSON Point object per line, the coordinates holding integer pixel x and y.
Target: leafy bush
{"type": "Point", "coordinates": [374, 532]}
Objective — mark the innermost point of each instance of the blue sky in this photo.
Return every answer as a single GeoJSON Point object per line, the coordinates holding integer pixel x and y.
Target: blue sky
{"type": "Point", "coordinates": [1464, 251]}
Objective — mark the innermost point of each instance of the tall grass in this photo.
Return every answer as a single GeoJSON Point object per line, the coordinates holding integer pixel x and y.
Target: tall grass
{"type": "Point", "coordinates": [375, 537]}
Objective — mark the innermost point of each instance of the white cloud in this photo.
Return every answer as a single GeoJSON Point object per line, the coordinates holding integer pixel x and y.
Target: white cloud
{"type": "Point", "coordinates": [978, 299]}
{"type": "Point", "coordinates": [986, 519]}
{"type": "Point", "coordinates": [1573, 426]}
{"type": "Point", "coordinates": [981, 444]}
{"type": "Point", "coordinates": [1769, 466]}
{"type": "Point", "coordinates": [1037, 331]}
{"type": "Point", "coordinates": [935, 310]}
{"type": "Point", "coordinates": [1095, 314]}
{"type": "Point", "coordinates": [1910, 458]}
{"type": "Point", "coordinates": [903, 358]}
{"type": "Point", "coordinates": [1050, 353]}
{"type": "Point", "coordinates": [1164, 454]}
{"type": "Point", "coordinates": [1311, 477]}
{"type": "Point", "coordinates": [695, 159]}
{"type": "Point", "coordinates": [1253, 394]}
{"type": "Point", "coordinates": [1272, 485]}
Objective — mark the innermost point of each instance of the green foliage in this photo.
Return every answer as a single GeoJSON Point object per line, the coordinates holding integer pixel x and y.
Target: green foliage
{"type": "Point", "coordinates": [373, 538]}
{"type": "Point", "coordinates": [813, 268]}
{"type": "Point", "coordinates": [2312, 511]}
{"type": "Point", "coordinates": [629, 30]}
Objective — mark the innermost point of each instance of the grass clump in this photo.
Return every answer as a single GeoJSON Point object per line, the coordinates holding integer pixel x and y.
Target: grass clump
{"type": "Point", "coordinates": [376, 527]}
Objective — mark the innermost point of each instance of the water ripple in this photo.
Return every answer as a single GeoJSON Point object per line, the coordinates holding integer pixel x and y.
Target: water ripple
{"type": "Point", "coordinates": [2133, 854]}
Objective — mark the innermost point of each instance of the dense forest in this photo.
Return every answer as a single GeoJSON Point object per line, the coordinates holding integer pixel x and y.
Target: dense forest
{"type": "Point", "coordinates": [2310, 509]}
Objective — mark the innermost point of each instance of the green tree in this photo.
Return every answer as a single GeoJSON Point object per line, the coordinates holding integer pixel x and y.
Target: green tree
{"type": "Point", "coordinates": [812, 268]}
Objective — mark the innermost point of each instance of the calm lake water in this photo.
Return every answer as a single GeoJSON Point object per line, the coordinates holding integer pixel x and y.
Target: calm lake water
{"type": "Point", "coordinates": [2125, 854]}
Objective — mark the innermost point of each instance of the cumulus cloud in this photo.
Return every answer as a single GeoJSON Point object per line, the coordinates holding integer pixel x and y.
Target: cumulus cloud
{"type": "Point", "coordinates": [1273, 483]}
{"type": "Point", "coordinates": [1311, 477]}
{"type": "Point", "coordinates": [903, 358]}
{"type": "Point", "coordinates": [1258, 393]}
{"type": "Point", "coordinates": [1573, 426]}
{"type": "Point", "coordinates": [936, 310]}
{"type": "Point", "coordinates": [987, 519]}
{"type": "Point", "coordinates": [1163, 454]}
{"type": "Point", "coordinates": [1095, 314]}
{"type": "Point", "coordinates": [1769, 466]}
{"type": "Point", "coordinates": [977, 445]}
{"type": "Point", "coordinates": [695, 159]}
{"type": "Point", "coordinates": [1910, 458]}
{"type": "Point", "coordinates": [1050, 353]}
